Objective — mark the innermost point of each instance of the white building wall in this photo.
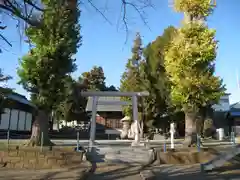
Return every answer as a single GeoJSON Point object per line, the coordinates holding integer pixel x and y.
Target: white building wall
{"type": "Point", "coordinates": [20, 120]}
{"type": "Point", "coordinates": [28, 124]}
{"type": "Point", "coordinates": [14, 119]}
{"type": "Point", "coordinates": [223, 105]}
{"type": "Point", "coordinates": [21, 123]}
{"type": "Point", "coordinates": [5, 119]}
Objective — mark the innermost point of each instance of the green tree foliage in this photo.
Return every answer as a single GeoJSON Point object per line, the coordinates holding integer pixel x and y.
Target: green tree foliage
{"type": "Point", "coordinates": [131, 78]}
{"type": "Point", "coordinates": [195, 8]}
{"type": "Point", "coordinates": [72, 106]}
{"type": "Point", "coordinates": [157, 104]}
{"type": "Point", "coordinates": [44, 69]}
{"type": "Point", "coordinates": [111, 88]}
{"type": "Point", "coordinates": [94, 80]}
{"type": "Point", "coordinates": [190, 63]}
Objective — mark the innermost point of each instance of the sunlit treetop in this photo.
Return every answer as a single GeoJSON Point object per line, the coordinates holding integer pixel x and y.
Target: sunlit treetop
{"type": "Point", "coordinates": [195, 8]}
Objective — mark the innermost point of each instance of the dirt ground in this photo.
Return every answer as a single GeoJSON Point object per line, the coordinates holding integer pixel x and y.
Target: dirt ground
{"type": "Point", "coordinates": [53, 174]}
{"type": "Point", "coordinates": [184, 172]}
{"type": "Point", "coordinates": [70, 173]}
{"type": "Point", "coordinates": [125, 172]}
{"type": "Point", "coordinates": [115, 172]}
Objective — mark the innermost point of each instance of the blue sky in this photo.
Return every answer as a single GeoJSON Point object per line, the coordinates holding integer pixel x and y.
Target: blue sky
{"type": "Point", "coordinates": [104, 44]}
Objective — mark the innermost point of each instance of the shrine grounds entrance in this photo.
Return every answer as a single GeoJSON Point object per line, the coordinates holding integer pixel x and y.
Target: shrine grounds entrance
{"type": "Point", "coordinates": [95, 95]}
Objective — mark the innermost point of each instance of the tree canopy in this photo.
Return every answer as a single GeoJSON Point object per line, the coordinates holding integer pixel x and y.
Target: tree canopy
{"type": "Point", "coordinates": [190, 60]}
{"type": "Point", "coordinates": [156, 81]}
{"type": "Point", "coordinates": [131, 80]}
{"type": "Point", "coordinates": [43, 70]}
{"type": "Point", "coordinates": [72, 104]}
{"type": "Point", "coordinates": [94, 79]}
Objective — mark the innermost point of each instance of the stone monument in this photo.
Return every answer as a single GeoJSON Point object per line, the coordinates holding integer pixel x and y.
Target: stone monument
{"type": "Point", "coordinates": [126, 127]}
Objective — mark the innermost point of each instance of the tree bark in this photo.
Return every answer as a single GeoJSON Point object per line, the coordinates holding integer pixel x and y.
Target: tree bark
{"type": "Point", "coordinates": [39, 130]}
{"type": "Point", "coordinates": [200, 120]}
{"type": "Point", "coordinates": [190, 129]}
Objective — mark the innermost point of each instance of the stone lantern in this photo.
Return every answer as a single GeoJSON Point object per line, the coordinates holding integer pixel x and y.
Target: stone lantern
{"type": "Point", "coordinates": [126, 121]}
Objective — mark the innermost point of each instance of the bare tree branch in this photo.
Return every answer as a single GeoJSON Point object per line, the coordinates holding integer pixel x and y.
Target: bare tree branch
{"type": "Point", "coordinates": [137, 5]}
{"type": "Point", "coordinates": [2, 37]}
{"type": "Point", "coordinates": [23, 10]}
{"type": "Point", "coordinates": [33, 4]}
{"type": "Point", "coordinates": [99, 11]}
{"type": "Point", "coordinates": [15, 9]}
{"type": "Point", "coordinates": [134, 6]}
{"type": "Point", "coordinates": [19, 10]}
{"type": "Point", "coordinates": [5, 39]}
{"type": "Point", "coordinates": [2, 27]}
{"type": "Point", "coordinates": [124, 20]}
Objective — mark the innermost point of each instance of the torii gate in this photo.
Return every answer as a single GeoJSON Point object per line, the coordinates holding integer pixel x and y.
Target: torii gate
{"type": "Point", "coordinates": [95, 102]}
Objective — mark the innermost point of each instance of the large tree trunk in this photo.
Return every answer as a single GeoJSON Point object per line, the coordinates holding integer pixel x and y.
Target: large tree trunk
{"type": "Point", "coordinates": [200, 121]}
{"type": "Point", "coordinates": [190, 129]}
{"type": "Point", "coordinates": [39, 130]}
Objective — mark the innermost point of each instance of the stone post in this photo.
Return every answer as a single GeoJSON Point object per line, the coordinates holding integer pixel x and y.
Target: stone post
{"type": "Point", "coordinates": [172, 132]}
{"type": "Point", "coordinates": [135, 119]}
{"type": "Point", "coordinates": [93, 121]}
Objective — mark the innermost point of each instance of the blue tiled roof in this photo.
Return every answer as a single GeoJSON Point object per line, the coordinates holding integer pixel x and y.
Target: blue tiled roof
{"type": "Point", "coordinates": [20, 99]}
{"type": "Point", "coordinates": [235, 114]}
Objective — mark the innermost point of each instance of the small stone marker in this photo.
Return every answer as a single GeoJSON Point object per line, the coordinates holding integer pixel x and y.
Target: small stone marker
{"type": "Point", "coordinates": [146, 175]}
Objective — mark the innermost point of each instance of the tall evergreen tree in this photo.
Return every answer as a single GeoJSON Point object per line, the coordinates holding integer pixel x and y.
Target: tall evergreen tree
{"type": "Point", "coordinates": [190, 64]}
{"type": "Point", "coordinates": [111, 88]}
{"type": "Point", "coordinates": [94, 80]}
{"type": "Point", "coordinates": [44, 69]}
{"type": "Point", "coordinates": [131, 78]}
{"type": "Point", "coordinates": [155, 81]}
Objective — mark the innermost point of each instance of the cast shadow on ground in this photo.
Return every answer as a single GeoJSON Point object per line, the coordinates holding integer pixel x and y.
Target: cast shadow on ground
{"type": "Point", "coordinates": [116, 174]}
{"type": "Point", "coordinates": [174, 173]}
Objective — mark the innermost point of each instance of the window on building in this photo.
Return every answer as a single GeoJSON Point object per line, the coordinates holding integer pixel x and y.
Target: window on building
{"type": "Point", "coordinates": [114, 123]}
{"type": "Point", "coordinates": [224, 101]}
{"type": "Point", "coordinates": [108, 121]}
{"type": "Point", "coordinates": [118, 124]}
